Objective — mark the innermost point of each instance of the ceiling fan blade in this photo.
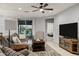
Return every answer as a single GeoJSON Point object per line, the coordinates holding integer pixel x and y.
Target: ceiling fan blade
{"type": "Point", "coordinates": [34, 10]}
{"type": "Point", "coordinates": [45, 5]}
{"type": "Point", "coordinates": [48, 9]}
{"type": "Point", "coordinates": [34, 7]}
{"type": "Point", "coordinates": [26, 11]}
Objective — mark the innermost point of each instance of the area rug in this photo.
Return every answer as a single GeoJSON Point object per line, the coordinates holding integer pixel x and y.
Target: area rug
{"type": "Point", "coordinates": [48, 52]}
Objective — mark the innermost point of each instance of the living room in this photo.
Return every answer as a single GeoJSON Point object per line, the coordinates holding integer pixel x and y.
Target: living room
{"type": "Point", "coordinates": [16, 19]}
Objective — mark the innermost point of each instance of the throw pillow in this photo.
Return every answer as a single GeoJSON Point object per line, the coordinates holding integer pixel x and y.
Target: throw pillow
{"type": "Point", "coordinates": [16, 40]}
{"type": "Point", "coordinates": [21, 36]}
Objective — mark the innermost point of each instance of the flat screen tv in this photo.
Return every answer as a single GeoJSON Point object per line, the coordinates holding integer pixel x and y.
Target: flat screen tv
{"type": "Point", "coordinates": [69, 30]}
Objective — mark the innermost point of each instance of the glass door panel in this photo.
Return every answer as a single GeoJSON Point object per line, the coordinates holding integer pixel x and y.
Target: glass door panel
{"type": "Point", "coordinates": [22, 29]}
{"type": "Point", "coordinates": [25, 27]}
{"type": "Point", "coordinates": [28, 30]}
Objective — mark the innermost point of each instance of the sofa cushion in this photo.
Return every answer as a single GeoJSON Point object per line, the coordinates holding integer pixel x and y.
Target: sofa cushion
{"type": "Point", "coordinates": [2, 54]}
{"type": "Point", "coordinates": [24, 52]}
{"type": "Point", "coordinates": [9, 52]}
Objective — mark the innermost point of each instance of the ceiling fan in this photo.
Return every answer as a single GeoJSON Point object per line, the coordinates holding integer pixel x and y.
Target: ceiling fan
{"type": "Point", "coordinates": [42, 8]}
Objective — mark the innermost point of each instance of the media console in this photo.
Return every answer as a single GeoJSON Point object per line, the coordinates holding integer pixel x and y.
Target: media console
{"type": "Point", "coordinates": [68, 44]}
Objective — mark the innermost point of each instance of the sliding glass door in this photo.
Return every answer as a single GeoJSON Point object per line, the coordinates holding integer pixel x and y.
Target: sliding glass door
{"type": "Point", "coordinates": [25, 27]}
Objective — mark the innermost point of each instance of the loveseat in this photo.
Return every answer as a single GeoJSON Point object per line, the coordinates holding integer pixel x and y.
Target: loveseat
{"type": "Point", "coordinates": [6, 51]}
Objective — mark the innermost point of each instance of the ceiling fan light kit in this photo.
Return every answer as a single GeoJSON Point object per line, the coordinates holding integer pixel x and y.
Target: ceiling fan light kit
{"type": "Point", "coordinates": [42, 8]}
{"type": "Point", "coordinates": [19, 8]}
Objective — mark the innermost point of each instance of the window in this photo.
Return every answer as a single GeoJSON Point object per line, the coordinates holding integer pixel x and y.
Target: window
{"type": "Point", "coordinates": [49, 28]}
{"type": "Point", "coordinates": [25, 27]}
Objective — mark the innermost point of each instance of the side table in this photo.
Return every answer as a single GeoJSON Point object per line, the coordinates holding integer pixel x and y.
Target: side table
{"type": "Point", "coordinates": [38, 46]}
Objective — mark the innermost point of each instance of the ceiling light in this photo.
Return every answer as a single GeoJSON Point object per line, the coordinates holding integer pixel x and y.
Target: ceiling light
{"type": "Point", "coordinates": [19, 8]}
{"type": "Point", "coordinates": [41, 10]}
{"type": "Point", "coordinates": [50, 11]}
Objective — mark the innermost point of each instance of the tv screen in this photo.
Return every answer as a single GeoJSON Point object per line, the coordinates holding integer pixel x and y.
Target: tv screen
{"type": "Point", "coordinates": [69, 30]}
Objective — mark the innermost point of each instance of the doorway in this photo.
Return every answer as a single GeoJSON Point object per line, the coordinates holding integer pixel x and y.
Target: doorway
{"type": "Point", "coordinates": [49, 28]}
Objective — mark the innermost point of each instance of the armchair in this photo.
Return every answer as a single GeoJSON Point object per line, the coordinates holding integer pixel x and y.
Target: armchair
{"type": "Point", "coordinates": [39, 35]}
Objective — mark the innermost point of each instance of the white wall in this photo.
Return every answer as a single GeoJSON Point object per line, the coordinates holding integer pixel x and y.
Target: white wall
{"type": "Point", "coordinates": [2, 24]}
{"type": "Point", "coordinates": [68, 16]}
{"type": "Point", "coordinates": [40, 25]}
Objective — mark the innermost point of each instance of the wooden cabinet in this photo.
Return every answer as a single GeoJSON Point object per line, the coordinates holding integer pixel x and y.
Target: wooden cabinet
{"type": "Point", "coordinates": [70, 45]}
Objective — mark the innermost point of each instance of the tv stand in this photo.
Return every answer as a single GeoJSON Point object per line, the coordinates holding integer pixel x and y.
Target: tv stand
{"type": "Point", "coordinates": [70, 45]}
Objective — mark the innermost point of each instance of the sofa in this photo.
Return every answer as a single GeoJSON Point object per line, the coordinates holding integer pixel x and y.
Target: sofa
{"type": "Point", "coordinates": [6, 51]}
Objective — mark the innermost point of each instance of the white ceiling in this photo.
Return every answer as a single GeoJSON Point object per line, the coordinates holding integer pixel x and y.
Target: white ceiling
{"type": "Point", "coordinates": [11, 9]}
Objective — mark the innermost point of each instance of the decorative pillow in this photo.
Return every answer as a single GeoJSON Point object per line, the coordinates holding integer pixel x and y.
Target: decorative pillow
{"type": "Point", "coordinates": [9, 52]}
{"type": "Point", "coordinates": [21, 36]}
{"type": "Point", "coordinates": [16, 40]}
